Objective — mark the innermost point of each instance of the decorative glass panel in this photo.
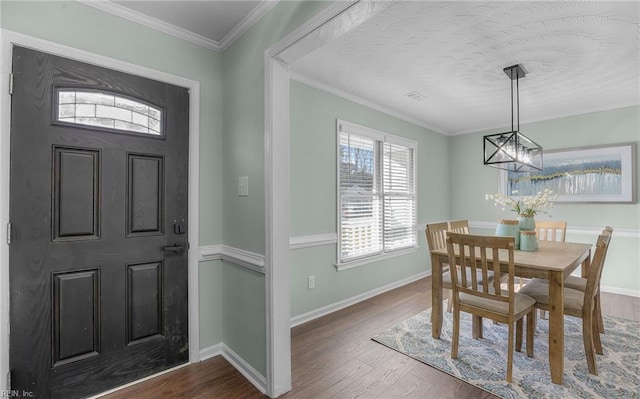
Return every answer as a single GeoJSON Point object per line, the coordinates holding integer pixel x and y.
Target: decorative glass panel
{"type": "Point", "coordinates": [107, 110]}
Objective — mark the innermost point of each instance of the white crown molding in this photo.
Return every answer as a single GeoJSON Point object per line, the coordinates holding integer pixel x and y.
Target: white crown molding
{"type": "Point", "coordinates": [610, 107]}
{"type": "Point", "coordinates": [247, 22]}
{"type": "Point", "coordinates": [244, 25]}
{"type": "Point", "coordinates": [240, 257]}
{"type": "Point", "coordinates": [359, 100]}
{"type": "Point", "coordinates": [153, 23]}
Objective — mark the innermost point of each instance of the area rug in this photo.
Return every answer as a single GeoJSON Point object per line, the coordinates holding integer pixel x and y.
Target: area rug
{"type": "Point", "coordinates": [483, 362]}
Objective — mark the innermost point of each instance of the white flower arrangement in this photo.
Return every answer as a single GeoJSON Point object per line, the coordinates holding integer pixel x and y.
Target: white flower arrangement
{"type": "Point", "coordinates": [525, 206]}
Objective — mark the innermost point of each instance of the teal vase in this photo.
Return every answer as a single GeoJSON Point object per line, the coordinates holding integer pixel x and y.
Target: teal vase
{"type": "Point", "coordinates": [526, 223]}
{"type": "Point", "coordinates": [509, 228]}
{"type": "Point", "coordinates": [528, 241]}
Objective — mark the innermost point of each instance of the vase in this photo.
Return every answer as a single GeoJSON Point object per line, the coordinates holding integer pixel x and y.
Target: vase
{"type": "Point", "coordinates": [526, 222]}
{"type": "Point", "coordinates": [528, 240]}
{"type": "Point", "coordinates": [509, 228]}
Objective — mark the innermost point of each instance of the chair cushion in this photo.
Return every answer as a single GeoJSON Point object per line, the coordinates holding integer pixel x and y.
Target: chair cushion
{"type": "Point", "coordinates": [521, 302]}
{"type": "Point", "coordinates": [538, 289]}
{"type": "Point", "coordinates": [573, 282]}
{"type": "Point", "coordinates": [447, 283]}
{"type": "Point", "coordinates": [576, 283]}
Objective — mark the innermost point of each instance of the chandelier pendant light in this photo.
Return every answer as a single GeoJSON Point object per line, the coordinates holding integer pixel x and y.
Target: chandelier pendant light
{"type": "Point", "coordinates": [513, 151]}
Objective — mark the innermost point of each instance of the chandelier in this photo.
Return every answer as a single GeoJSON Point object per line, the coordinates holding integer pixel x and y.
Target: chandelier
{"type": "Point", "coordinates": [513, 151]}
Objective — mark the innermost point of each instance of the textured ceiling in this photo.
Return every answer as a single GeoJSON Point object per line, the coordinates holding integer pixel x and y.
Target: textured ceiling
{"type": "Point", "coordinates": [580, 57]}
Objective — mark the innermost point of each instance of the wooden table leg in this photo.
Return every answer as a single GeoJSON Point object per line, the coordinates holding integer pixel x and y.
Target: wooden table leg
{"type": "Point", "coordinates": [436, 296]}
{"type": "Point", "coordinates": [556, 326]}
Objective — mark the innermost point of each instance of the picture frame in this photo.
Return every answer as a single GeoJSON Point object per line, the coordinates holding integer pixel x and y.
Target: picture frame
{"type": "Point", "coordinates": [597, 174]}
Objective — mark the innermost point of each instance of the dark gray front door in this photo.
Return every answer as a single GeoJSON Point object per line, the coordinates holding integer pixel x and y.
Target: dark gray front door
{"type": "Point", "coordinates": [98, 209]}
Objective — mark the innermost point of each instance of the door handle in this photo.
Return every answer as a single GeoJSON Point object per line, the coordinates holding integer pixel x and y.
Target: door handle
{"type": "Point", "coordinates": [178, 247]}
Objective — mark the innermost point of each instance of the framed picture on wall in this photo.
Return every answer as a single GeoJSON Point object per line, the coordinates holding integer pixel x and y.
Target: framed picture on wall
{"type": "Point", "coordinates": [586, 174]}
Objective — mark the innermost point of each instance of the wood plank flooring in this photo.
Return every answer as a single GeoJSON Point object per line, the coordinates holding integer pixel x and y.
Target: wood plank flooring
{"type": "Point", "coordinates": [334, 357]}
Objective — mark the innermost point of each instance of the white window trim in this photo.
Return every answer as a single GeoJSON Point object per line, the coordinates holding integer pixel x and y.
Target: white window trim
{"type": "Point", "coordinates": [384, 137]}
{"type": "Point", "coordinates": [340, 266]}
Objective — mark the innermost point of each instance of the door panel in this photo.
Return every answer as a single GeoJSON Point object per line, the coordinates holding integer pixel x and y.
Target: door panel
{"type": "Point", "coordinates": [76, 317]}
{"type": "Point", "coordinates": [145, 195]}
{"type": "Point", "coordinates": [144, 302]}
{"type": "Point", "coordinates": [95, 302]}
{"type": "Point", "coordinates": [76, 184]}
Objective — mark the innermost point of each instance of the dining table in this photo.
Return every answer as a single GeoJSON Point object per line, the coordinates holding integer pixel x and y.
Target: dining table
{"type": "Point", "coordinates": [553, 261]}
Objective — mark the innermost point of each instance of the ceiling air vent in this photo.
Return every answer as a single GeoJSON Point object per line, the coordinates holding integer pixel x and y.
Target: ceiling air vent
{"type": "Point", "coordinates": [414, 95]}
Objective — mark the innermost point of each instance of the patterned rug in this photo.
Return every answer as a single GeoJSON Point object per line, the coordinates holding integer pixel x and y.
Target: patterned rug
{"type": "Point", "coordinates": [483, 362]}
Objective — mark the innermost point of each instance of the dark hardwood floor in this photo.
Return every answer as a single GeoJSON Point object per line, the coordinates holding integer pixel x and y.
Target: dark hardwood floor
{"type": "Point", "coordinates": [334, 357]}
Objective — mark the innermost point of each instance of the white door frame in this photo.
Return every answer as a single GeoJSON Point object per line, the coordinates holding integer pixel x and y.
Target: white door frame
{"type": "Point", "coordinates": [335, 20]}
{"type": "Point", "coordinates": [7, 40]}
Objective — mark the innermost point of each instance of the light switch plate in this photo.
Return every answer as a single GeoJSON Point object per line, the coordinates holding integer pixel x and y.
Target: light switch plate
{"type": "Point", "coordinates": [243, 186]}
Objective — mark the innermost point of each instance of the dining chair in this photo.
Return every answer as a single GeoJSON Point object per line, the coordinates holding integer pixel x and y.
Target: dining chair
{"type": "Point", "coordinates": [485, 253]}
{"type": "Point", "coordinates": [580, 284]}
{"type": "Point", "coordinates": [462, 227]}
{"type": "Point", "coordinates": [582, 304]}
{"type": "Point", "coordinates": [437, 238]}
{"type": "Point", "coordinates": [459, 226]}
{"type": "Point", "coordinates": [550, 230]}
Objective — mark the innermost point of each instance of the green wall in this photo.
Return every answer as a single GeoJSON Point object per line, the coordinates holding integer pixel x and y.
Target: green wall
{"type": "Point", "coordinates": [472, 181]}
{"type": "Point", "coordinates": [82, 27]}
{"type": "Point", "coordinates": [244, 315]}
{"type": "Point", "coordinates": [243, 93]}
{"type": "Point", "coordinates": [313, 196]}
{"type": "Point", "coordinates": [243, 155]}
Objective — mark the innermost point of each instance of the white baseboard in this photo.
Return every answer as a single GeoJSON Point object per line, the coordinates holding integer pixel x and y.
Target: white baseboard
{"type": "Point", "coordinates": [212, 351]}
{"type": "Point", "coordinates": [620, 291]}
{"type": "Point", "coordinates": [251, 374]}
{"type": "Point", "coordinates": [325, 310]}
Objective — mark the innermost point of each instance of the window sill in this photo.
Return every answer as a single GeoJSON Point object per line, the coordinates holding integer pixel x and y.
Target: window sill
{"type": "Point", "coordinates": [377, 258]}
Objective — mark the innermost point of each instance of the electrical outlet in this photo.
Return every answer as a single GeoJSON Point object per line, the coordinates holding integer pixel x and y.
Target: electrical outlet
{"type": "Point", "coordinates": [311, 282]}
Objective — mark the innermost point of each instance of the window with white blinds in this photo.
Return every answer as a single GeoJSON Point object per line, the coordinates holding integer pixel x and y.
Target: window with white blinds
{"type": "Point", "coordinates": [376, 185]}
